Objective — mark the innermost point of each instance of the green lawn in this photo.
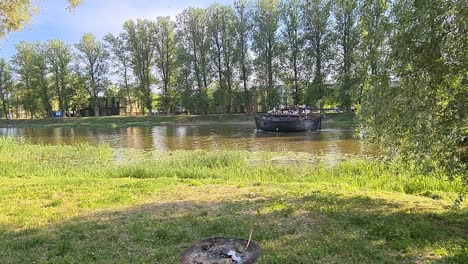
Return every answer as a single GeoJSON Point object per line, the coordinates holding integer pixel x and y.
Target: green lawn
{"type": "Point", "coordinates": [85, 204]}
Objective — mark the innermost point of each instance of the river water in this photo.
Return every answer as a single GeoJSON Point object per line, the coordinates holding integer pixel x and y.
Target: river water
{"type": "Point", "coordinates": [332, 139]}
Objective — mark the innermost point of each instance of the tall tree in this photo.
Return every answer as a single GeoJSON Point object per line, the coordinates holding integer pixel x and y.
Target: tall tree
{"type": "Point", "coordinates": [319, 39]}
{"type": "Point", "coordinates": [94, 58]}
{"type": "Point", "coordinates": [265, 45]}
{"type": "Point", "coordinates": [243, 27]}
{"type": "Point", "coordinates": [185, 81]}
{"type": "Point", "coordinates": [346, 17]}
{"type": "Point", "coordinates": [374, 50]}
{"type": "Point", "coordinates": [6, 84]}
{"type": "Point", "coordinates": [40, 82]}
{"type": "Point", "coordinates": [166, 61]}
{"type": "Point", "coordinates": [293, 39]}
{"type": "Point", "coordinates": [80, 95]}
{"type": "Point", "coordinates": [141, 42]}
{"type": "Point", "coordinates": [194, 42]}
{"type": "Point", "coordinates": [121, 62]}
{"type": "Point", "coordinates": [59, 56]}
{"type": "Point", "coordinates": [23, 63]}
{"type": "Point", "coordinates": [421, 117]}
{"type": "Point", "coordinates": [222, 31]}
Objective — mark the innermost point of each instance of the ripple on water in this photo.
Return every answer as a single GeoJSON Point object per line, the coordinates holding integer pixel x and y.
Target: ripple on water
{"type": "Point", "coordinates": [338, 141]}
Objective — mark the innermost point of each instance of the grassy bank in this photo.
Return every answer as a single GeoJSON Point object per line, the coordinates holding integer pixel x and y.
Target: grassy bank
{"type": "Point", "coordinates": [124, 121]}
{"type": "Point", "coordinates": [84, 204]}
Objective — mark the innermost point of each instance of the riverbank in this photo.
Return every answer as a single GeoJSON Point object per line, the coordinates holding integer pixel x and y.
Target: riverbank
{"type": "Point", "coordinates": [96, 204]}
{"type": "Point", "coordinates": [127, 121]}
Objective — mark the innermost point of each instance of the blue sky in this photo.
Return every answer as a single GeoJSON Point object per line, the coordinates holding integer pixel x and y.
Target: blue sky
{"type": "Point", "coordinates": [95, 16]}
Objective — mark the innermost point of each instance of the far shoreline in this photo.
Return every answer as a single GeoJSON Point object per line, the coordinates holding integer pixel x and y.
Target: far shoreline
{"type": "Point", "coordinates": [129, 121]}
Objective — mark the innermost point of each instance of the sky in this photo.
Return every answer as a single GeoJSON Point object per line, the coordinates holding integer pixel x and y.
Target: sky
{"type": "Point", "coordinates": [99, 17]}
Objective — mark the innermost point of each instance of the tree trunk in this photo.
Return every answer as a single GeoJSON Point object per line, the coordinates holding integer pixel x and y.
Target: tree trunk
{"type": "Point", "coordinates": [96, 106]}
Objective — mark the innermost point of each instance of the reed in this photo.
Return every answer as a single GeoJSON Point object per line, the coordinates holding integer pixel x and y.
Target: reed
{"type": "Point", "coordinates": [21, 159]}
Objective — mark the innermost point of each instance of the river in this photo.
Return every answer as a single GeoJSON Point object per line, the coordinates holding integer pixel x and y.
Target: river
{"type": "Point", "coordinates": [332, 139]}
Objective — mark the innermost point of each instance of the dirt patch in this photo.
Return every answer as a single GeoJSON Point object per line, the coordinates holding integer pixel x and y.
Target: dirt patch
{"type": "Point", "coordinates": [222, 250]}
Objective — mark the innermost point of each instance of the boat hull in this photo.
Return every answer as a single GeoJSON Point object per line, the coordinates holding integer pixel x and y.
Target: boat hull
{"type": "Point", "coordinates": [287, 124]}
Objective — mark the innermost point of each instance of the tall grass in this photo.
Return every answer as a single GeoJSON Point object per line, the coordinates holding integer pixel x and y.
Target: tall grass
{"type": "Point", "coordinates": [20, 159]}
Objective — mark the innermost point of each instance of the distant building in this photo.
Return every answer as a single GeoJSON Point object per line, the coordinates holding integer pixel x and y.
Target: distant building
{"type": "Point", "coordinates": [113, 106]}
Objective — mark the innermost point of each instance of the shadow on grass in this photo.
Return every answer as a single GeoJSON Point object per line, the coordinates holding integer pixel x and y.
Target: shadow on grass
{"type": "Point", "coordinates": [318, 228]}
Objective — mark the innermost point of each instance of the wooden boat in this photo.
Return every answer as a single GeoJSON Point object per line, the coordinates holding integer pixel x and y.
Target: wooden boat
{"type": "Point", "coordinates": [287, 122]}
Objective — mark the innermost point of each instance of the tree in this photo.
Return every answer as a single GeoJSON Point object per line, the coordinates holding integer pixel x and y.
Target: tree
{"type": "Point", "coordinates": [95, 67]}
{"type": "Point", "coordinates": [222, 30]}
{"type": "Point", "coordinates": [347, 36]}
{"type": "Point", "coordinates": [165, 60]}
{"type": "Point", "coordinates": [80, 95]}
{"type": "Point", "coordinates": [293, 39]}
{"type": "Point", "coordinates": [120, 58]}
{"type": "Point", "coordinates": [23, 66]}
{"type": "Point", "coordinates": [184, 84]}
{"type": "Point", "coordinates": [16, 14]}
{"type": "Point", "coordinates": [141, 43]}
{"type": "Point", "coordinates": [242, 26]}
{"type": "Point", "coordinates": [265, 45]}
{"type": "Point", "coordinates": [374, 50]}
{"type": "Point", "coordinates": [318, 35]}
{"type": "Point", "coordinates": [195, 43]}
{"type": "Point", "coordinates": [6, 84]}
{"type": "Point", "coordinates": [59, 56]}
{"type": "Point", "coordinates": [40, 82]}
{"type": "Point", "coordinates": [421, 116]}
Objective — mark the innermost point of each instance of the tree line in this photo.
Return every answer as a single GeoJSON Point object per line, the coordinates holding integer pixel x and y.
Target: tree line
{"type": "Point", "coordinates": [263, 52]}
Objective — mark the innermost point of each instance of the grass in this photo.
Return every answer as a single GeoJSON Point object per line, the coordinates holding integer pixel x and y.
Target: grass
{"type": "Point", "coordinates": [93, 204]}
{"type": "Point", "coordinates": [125, 121]}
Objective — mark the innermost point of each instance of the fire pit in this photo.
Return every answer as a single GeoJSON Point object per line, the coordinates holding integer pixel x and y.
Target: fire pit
{"type": "Point", "coordinates": [222, 250]}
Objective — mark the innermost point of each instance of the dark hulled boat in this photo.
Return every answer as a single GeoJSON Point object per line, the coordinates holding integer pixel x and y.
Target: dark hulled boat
{"type": "Point", "coordinates": [281, 122]}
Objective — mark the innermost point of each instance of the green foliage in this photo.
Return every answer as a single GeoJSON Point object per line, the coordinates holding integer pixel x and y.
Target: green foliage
{"type": "Point", "coordinates": [293, 47]}
{"type": "Point", "coordinates": [80, 96]}
{"type": "Point", "coordinates": [6, 85]}
{"type": "Point", "coordinates": [265, 20]}
{"type": "Point", "coordinates": [194, 44]}
{"type": "Point", "coordinates": [243, 29]}
{"type": "Point", "coordinates": [373, 47]}
{"type": "Point", "coordinates": [166, 60]}
{"type": "Point", "coordinates": [347, 35]}
{"type": "Point", "coordinates": [32, 65]}
{"type": "Point", "coordinates": [16, 14]}
{"type": "Point", "coordinates": [59, 56]}
{"type": "Point", "coordinates": [420, 116]}
{"type": "Point", "coordinates": [221, 27]}
{"type": "Point", "coordinates": [120, 57]}
{"type": "Point", "coordinates": [319, 39]}
{"type": "Point", "coordinates": [140, 36]}
{"type": "Point", "coordinates": [94, 58]}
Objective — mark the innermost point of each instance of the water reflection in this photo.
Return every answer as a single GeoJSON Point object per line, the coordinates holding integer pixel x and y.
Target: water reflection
{"type": "Point", "coordinates": [331, 140]}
